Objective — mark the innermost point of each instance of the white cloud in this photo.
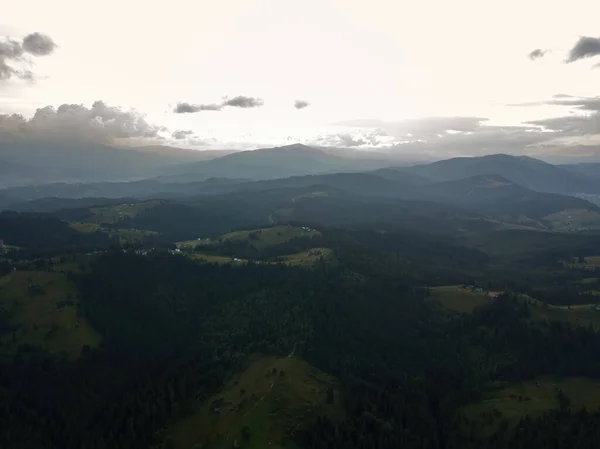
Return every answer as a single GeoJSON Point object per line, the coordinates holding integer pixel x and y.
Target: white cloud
{"type": "Point", "coordinates": [100, 123]}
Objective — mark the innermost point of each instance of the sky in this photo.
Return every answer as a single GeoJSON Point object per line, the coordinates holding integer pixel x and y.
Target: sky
{"type": "Point", "coordinates": [441, 78]}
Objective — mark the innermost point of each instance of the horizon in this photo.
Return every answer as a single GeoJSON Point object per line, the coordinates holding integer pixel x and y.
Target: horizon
{"type": "Point", "coordinates": [326, 74]}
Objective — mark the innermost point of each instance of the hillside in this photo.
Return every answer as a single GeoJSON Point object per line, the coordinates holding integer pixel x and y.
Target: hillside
{"type": "Point", "coordinates": [498, 197]}
{"type": "Point", "coordinates": [271, 163]}
{"type": "Point", "coordinates": [182, 154]}
{"type": "Point", "coordinates": [528, 172]}
{"type": "Point", "coordinates": [32, 161]}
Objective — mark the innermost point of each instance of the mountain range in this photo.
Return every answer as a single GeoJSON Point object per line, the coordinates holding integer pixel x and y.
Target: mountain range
{"type": "Point", "coordinates": [305, 182]}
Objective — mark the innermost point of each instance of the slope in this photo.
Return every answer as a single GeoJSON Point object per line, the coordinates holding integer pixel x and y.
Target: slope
{"type": "Point", "coordinates": [33, 161]}
{"type": "Point", "coordinates": [271, 163]}
{"type": "Point", "coordinates": [528, 172]}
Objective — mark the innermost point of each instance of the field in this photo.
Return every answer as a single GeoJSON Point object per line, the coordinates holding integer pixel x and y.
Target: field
{"type": "Point", "coordinates": [510, 402]}
{"type": "Point", "coordinates": [43, 308]}
{"type": "Point", "coordinates": [114, 214]}
{"type": "Point", "coordinates": [211, 258]}
{"type": "Point", "coordinates": [459, 299]}
{"type": "Point", "coordinates": [84, 226]}
{"type": "Point", "coordinates": [308, 258]}
{"type": "Point", "coordinates": [303, 259]}
{"type": "Point", "coordinates": [573, 219]}
{"type": "Point", "coordinates": [271, 399]}
{"type": "Point", "coordinates": [583, 315]}
{"type": "Point", "coordinates": [125, 235]}
{"type": "Point", "coordinates": [261, 238]}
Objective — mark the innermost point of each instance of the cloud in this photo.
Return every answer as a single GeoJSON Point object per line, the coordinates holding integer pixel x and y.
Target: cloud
{"type": "Point", "coordinates": [12, 51]}
{"type": "Point", "coordinates": [586, 47]}
{"type": "Point", "coordinates": [38, 44]}
{"type": "Point", "coordinates": [571, 125]}
{"type": "Point", "coordinates": [442, 137]}
{"type": "Point", "coordinates": [368, 138]}
{"type": "Point", "coordinates": [589, 104]}
{"type": "Point", "coordinates": [243, 102]}
{"type": "Point", "coordinates": [188, 108]}
{"type": "Point", "coordinates": [300, 104]}
{"type": "Point", "coordinates": [240, 101]}
{"type": "Point", "coordinates": [423, 128]}
{"type": "Point", "coordinates": [100, 122]}
{"type": "Point", "coordinates": [181, 134]}
{"type": "Point", "coordinates": [537, 54]}
{"type": "Point", "coordinates": [582, 103]}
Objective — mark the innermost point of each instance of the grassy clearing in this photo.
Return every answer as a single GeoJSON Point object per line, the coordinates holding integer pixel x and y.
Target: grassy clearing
{"type": "Point", "coordinates": [114, 214]}
{"type": "Point", "coordinates": [43, 308]}
{"type": "Point", "coordinates": [125, 235]}
{"type": "Point", "coordinates": [211, 258]}
{"type": "Point", "coordinates": [271, 404]}
{"type": "Point", "coordinates": [459, 299]}
{"type": "Point", "coordinates": [308, 258]}
{"type": "Point", "coordinates": [582, 315]}
{"type": "Point", "coordinates": [573, 218]}
{"type": "Point", "coordinates": [261, 238]}
{"type": "Point", "coordinates": [511, 402]}
{"type": "Point", "coordinates": [303, 259]}
{"type": "Point", "coordinates": [193, 244]}
{"type": "Point", "coordinates": [83, 226]}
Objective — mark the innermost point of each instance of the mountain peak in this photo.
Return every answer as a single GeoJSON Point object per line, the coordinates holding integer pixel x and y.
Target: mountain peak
{"type": "Point", "coordinates": [295, 147]}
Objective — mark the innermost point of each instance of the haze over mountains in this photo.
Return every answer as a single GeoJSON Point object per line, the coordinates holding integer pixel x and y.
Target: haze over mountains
{"type": "Point", "coordinates": [298, 182]}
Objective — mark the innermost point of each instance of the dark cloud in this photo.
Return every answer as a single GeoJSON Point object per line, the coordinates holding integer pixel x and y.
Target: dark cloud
{"type": "Point", "coordinates": [537, 54]}
{"type": "Point", "coordinates": [12, 51]}
{"type": "Point", "coordinates": [243, 102]}
{"type": "Point", "coordinates": [300, 104]}
{"type": "Point", "coordinates": [100, 123]}
{"type": "Point", "coordinates": [582, 103]}
{"type": "Point", "coordinates": [181, 134]}
{"type": "Point", "coordinates": [586, 47]}
{"type": "Point", "coordinates": [189, 108]}
{"type": "Point", "coordinates": [571, 125]}
{"type": "Point", "coordinates": [38, 44]}
{"type": "Point", "coordinates": [236, 102]}
{"type": "Point", "coordinates": [589, 104]}
{"type": "Point", "coordinates": [440, 137]}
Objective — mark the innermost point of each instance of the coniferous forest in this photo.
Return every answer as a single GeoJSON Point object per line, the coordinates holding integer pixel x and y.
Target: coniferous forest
{"type": "Point", "coordinates": [174, 330]}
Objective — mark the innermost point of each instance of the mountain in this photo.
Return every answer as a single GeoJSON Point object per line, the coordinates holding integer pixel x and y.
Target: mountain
{"type": "Point", "coordinates": [32, 161]}
{"type": "Point", "coordinates": [271, 163]}
{"type": "Point", "coordinates": [53, 204]}
{"type": "Point", "coordinates": [19, 197]}
{"type": "Point", "coordinates": [498, 197]}
{"type": "Point", "coordinates": [591, 169]}
{"type": "Point", "coordinates": [400, 174]}
{"type": "Point", "coordinates": [528, 172]}
{"type": "Point", "coordinates": [182, 154]}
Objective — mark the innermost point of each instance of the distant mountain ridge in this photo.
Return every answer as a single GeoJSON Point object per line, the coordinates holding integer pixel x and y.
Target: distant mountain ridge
{"type": "Point", "coordinates": [526, 171]}
{"type": "Point", "coordinates": [500, 186]}
{"type": "Point", "coordinates": [31, 161]}
{"type": "Point", "coordinates": [272, 163]}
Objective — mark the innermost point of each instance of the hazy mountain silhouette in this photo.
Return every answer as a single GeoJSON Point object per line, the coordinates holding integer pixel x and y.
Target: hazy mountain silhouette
{"type": "Point", "coordinates": [32, 161]}
{"type": "Point", "coordinates": [525, 171]}
{"type": "Point", "coordinates": [272, 163]}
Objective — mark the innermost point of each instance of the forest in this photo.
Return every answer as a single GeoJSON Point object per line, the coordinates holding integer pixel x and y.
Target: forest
{"type": "Point", "coordinates": [173, 329]}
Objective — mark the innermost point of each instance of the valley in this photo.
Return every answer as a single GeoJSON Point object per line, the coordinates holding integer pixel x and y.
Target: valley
{"type": "Point", "coordinates": [295, 311]}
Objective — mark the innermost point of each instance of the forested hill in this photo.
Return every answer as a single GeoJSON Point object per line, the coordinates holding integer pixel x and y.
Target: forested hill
{"type": "Point", "coordinates": [174, 332]}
